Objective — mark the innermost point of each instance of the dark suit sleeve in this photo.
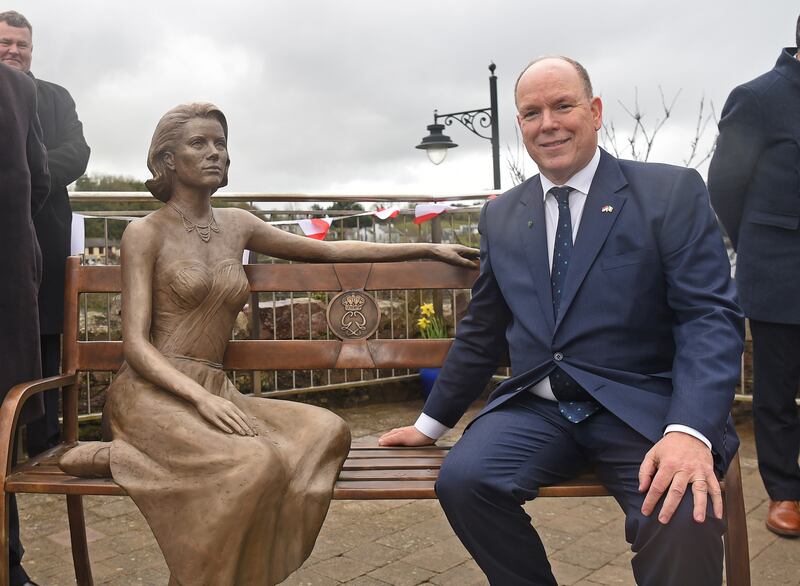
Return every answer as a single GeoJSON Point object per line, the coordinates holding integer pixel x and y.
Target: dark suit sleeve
{"type": "Point", "coordinates": [37, 164]}
{"type": "Point", "coordinates": [742, 137]}
{"type": "Point", "coordinates": [709, 325]}
{"type": "Point", "coordinates": [67, 161]}
{"type": "Point", "coordinates": [479, 345]}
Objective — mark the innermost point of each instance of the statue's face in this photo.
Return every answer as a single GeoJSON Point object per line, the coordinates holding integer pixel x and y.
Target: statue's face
{"type": "Point", "coordinates": [201, 154]}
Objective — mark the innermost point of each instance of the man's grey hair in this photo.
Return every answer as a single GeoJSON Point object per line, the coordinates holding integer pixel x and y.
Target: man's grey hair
{"type": "Point", "coordinates": [582, 73]}
{"type": "Point", "coordinates": [15, 19]}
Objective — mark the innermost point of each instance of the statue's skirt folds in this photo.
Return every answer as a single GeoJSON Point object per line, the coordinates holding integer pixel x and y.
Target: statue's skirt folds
{"type": "Point", "coordinates": [225, 509]}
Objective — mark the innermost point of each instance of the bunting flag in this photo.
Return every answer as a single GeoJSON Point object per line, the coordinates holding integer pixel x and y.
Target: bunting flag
{"type": "Point", "coordinates": [316, 228]}
{"type": "Point", "coordinates": [78, 235]}
{"type": "Point", "coordinates": [427, 211]}
{"type": "Point", "coordinates": [385, 214]}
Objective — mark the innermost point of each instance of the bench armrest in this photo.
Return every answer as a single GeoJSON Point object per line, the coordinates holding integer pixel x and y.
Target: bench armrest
{"type": "Point", "coordinates": [12, 405]}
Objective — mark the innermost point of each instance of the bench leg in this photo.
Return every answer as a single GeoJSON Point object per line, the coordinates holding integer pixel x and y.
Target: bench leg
{"type": "Point", "coordinates": [4, 553]}
{"type": "Point", "coordinates": [737, 553]}
{"type": "Point", "coordinates": [77, 534]}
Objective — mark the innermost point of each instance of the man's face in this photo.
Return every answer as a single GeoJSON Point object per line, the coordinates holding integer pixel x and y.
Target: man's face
{"type": "Point", "coordinates": [558, 121]}
{"type": "Point", "coordinates": [16, 46]}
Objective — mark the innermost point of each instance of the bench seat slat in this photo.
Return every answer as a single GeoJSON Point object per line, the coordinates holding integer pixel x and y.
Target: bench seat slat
{"type": "Point", "coordinates": [61, 484]}
{"type": "Point", "coordinates": [376, 490]}
{"type": "Point", "coordinates": [392, 463]}
{"type": "Point", "coordinates": [404, 475]}
{"type": "Point", "coordinates": [359, 453]}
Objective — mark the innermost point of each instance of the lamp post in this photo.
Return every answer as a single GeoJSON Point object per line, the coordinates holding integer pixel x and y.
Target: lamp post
{"type": "Point", "coordinates": [437, 143]}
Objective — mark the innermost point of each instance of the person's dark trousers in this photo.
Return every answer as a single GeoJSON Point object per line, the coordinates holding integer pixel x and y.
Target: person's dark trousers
{"type": "Point", "coordinates": [43, 433]}
{"type": "Point", "coordinates": [776, 422]}
{"type": "Point", "coordinates": [17, 575]}
{"type": "Point", "coordinates": [508, 453]}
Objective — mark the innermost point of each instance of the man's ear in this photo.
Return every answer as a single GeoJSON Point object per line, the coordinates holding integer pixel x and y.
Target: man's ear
{"type": "Point", "coordinates": [597, 112]}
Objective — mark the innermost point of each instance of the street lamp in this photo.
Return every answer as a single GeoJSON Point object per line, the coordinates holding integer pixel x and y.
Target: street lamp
{"type": "Point", "coordinates": [437, 143]}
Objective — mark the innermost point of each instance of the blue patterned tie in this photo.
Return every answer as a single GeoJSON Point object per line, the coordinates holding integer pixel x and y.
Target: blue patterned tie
{"type": "Point", "coordinates": [574, 403]}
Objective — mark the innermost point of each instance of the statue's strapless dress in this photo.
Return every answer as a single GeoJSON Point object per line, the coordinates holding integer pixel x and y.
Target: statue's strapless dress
{"type": "Point", "coordinates": [225, 509]}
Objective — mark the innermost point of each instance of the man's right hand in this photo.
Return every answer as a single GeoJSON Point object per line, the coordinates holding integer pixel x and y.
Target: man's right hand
{"type": "Point", "coordinates": [405, 436]}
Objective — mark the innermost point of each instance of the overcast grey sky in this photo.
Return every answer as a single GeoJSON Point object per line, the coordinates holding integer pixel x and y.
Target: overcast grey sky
{"type": "Point", "coordinates": [332, 96]}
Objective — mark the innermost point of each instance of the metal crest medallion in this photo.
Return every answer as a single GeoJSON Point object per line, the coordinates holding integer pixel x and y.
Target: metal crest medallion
{"type": "Point", "coordinates": [353, 315]}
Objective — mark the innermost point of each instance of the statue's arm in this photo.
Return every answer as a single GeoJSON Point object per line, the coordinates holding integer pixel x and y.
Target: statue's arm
{"type": "Point", "coordinates": [266, 239]}
{"type": "Point", "coordinates": [139, 251]}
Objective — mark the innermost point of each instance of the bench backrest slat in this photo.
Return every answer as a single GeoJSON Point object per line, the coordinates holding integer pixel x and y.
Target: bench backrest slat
{"type": "Point", "coordinates": [82, 355]}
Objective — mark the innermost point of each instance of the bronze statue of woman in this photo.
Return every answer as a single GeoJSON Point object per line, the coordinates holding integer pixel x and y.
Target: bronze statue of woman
{"type": "Point", "coordinates": [234, 488]}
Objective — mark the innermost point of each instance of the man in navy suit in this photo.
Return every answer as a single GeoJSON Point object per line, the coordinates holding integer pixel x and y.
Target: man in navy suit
{"type": "Point", "coordinates": [754, 180]}
{"type": "Point", "coordinates": [608, 284]}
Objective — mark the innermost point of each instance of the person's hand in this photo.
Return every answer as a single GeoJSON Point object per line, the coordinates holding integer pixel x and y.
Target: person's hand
{"type": "Point", "coordinates": [223, 414]}
{"type": "Point", "coordinates": [677, 460]}
{"type": "Point", "coordinates": [405, 436]}
{"type": "Point", "coordinates": [456, 254]}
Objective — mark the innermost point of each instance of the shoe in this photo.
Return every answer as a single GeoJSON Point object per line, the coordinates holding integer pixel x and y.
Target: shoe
{"type": "Point", "coordinates": [784, 518]}
{"type": "Point", "coordinates": [87, 460]}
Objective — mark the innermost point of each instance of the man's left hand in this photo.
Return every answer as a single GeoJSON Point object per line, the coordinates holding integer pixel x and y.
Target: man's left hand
{"type": "Point", "coordinates": [676, 461]}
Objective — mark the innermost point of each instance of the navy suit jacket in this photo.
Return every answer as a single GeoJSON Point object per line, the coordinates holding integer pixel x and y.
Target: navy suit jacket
{"type": "Point", "coordinates": [754, 180]}
{"type": "Point", "coordinates": [648, 324]}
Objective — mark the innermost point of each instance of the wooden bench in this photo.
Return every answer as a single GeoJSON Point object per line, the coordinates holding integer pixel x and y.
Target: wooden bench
{"type": "Point", "coordinates": [369, 472]}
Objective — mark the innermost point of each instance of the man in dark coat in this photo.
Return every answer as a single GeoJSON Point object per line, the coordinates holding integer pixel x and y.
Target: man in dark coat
{"type": "Point", "coordinates": [24, 185]}
{"type": "Point", "coordinates": [67, 155]}
{"type": "Point", "coordinates": [754, 180]}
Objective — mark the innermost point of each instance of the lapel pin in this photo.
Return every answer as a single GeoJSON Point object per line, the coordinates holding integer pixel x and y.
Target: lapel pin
{"type": "Point", "coordinates": [607, 209]}
{"type": "Point", "coordinates": [530, 223]}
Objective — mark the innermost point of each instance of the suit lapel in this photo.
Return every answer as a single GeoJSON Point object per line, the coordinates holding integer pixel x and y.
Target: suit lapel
{"type": "Point", "coordinates": [532, 230]}
{"type": "Point", "coordinates": [603, 206]}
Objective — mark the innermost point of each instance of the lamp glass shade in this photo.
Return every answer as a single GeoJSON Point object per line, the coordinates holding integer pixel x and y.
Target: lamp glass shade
{"type": "Point", "coordinates": [436, 154]}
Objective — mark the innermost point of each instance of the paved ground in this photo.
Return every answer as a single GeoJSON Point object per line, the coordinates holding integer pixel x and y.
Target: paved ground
{"type": "Point", "coordinates": [403, 543]}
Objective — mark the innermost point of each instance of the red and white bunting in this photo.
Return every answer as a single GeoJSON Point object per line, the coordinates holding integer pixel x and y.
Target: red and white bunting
{"type": "Point", "coordinates": [386, 213]}
{"type": "Point", "coordinates": [427, 211]}
{"type": "Point", "coordinates": [315, 228]}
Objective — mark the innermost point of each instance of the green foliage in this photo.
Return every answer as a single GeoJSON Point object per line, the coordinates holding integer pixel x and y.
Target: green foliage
{"type": "Point", "coordinates": [96, 228]}
{"type": "Point", "coordinates": [362, 222]}
{"type": "Point", "coordinates": [109, 183]}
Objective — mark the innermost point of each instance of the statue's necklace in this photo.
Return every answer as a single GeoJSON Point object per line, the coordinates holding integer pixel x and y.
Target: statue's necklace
{"type": "Point", "coordinates": [203, 230]}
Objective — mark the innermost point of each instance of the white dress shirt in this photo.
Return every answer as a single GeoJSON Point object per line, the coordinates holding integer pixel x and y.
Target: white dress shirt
{"type": "Point", "coordinates": [580, 184]}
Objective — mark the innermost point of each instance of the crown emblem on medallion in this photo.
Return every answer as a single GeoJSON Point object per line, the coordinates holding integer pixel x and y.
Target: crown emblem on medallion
{"type": "Point", "coordinates": [353, 302]}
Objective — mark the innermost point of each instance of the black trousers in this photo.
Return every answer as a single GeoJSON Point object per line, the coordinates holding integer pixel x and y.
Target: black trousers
{"type": "Point", "coordinates": [507, 454]}
{"type": "Point", "coordinates": [17, 575]}
{"type": "Point", "coordinates": [43, 433]}
{"type": "Point", "coordinates": [776, 422]}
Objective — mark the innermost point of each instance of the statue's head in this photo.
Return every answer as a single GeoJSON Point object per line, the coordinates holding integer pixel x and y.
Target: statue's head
{"type": "Point", "coordinates": [165, 140]}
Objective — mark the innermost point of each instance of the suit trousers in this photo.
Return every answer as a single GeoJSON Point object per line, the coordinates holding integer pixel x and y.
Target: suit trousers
{"type": "Point", "coordinates": [44, 432]}
{"type": "Point", "coordinates": [17, 574]}
{"type": "Point", "coordinates": [776, 422]}
{"type": "Point", "coordinates": [508, 453]}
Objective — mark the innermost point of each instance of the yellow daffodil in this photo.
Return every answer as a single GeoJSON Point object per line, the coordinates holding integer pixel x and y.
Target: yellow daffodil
{"type": "Point", "coordinates": [423, 323]}
{"type": "Point", "coordinates": [427, 310]}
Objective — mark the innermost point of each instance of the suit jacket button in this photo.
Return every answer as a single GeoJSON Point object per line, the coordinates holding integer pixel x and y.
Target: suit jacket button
{"type": "Point", "coordinates": [558, 357]}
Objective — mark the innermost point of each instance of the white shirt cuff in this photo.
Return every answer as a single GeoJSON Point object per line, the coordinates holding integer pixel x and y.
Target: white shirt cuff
{"type": "Point", "coordinates": [430, 427]}
{"type": "Point", "coordinates": [686, 430]}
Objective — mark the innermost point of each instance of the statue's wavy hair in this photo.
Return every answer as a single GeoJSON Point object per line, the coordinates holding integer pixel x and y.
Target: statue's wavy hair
{"type": "Point", "coordinates": [165, 138]}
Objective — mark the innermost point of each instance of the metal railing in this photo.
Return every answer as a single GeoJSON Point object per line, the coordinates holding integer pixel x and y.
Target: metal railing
{"type": "Point", "coordinates": [291, 316]}
{"type": "Point", "coordinates": [285, 316]}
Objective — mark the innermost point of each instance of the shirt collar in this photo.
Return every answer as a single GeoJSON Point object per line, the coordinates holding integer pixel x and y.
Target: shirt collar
{"type": "Point", "coordinates": [581, 181]}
